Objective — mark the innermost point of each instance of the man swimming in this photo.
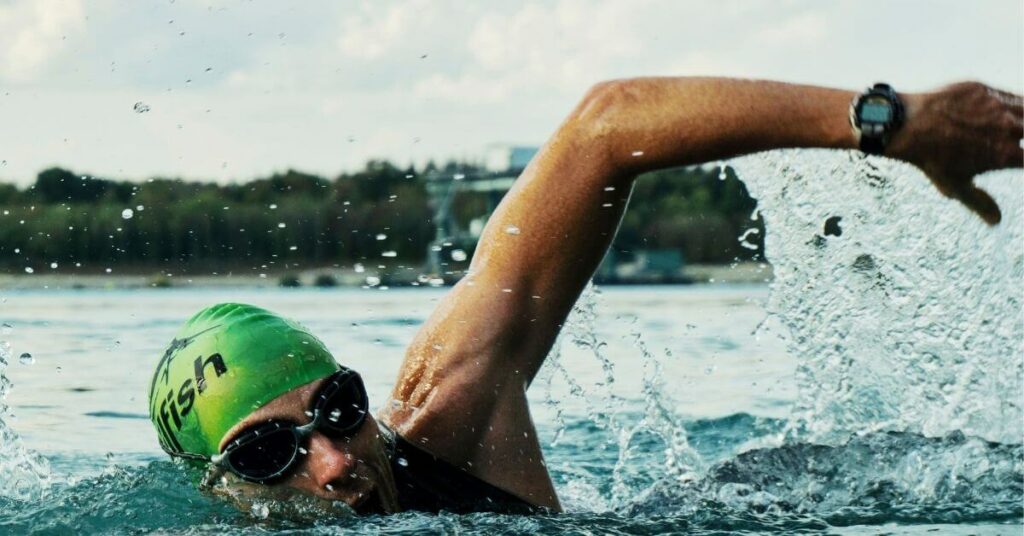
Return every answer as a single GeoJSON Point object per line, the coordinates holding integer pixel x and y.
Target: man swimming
{"type": "Point", "coordinates": [263, 400]}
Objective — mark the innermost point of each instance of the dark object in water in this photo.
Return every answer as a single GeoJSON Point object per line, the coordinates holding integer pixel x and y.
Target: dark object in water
{"type": "Point", "coordinates": [325, 281]}
{"type": "Point", "coordinates": [832, 227]}
{"type": "Point", "coordinates": [289, 281]}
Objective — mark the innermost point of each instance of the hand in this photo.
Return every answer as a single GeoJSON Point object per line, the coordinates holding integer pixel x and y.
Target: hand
{"type": "Point", "coordinates": [958, 132]}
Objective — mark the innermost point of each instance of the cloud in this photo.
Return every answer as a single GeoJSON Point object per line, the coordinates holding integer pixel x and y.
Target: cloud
{"type": "Point", "coordinates": [368, 36]}
{"type": "Point", "coordinates": [803, 29]}
{"type": "Point", "coordinates": [32, 33]}
{"type": "Point", "coordinates": [565, 45]}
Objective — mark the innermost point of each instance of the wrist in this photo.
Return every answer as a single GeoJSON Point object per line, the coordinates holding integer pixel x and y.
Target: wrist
{"type": "Point", "coordinates": [902, 142]}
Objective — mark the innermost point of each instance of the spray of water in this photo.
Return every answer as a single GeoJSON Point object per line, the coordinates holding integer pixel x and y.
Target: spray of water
{"type": "Point", "coordinates": [904, 312]}
{"type": "Point", "coordinates": [24, 474]}
{"type": "Point", "coordinates": [651, 445]}
{"type": "Point", "coordinates": [903, 308]}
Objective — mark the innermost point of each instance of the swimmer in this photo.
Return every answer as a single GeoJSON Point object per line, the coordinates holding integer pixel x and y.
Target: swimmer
{"type": "Point", "coordinates": [262, 401]}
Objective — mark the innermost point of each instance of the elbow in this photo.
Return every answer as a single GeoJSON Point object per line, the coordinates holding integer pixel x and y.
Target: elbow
{"type": "Point", "coordinates": [600, 121]}
{"type": "Point", "coordinates": [604, 103]}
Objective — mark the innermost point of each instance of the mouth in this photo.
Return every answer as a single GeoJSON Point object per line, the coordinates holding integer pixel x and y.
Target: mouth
{"type": "Point", "coordinates": [368, 504]}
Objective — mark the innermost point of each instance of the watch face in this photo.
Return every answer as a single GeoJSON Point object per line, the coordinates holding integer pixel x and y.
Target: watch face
{"type": "Point", "coordinates": [878, 111]}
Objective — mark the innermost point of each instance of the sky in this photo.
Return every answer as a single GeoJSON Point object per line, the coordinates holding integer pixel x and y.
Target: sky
{"type": "Point", "coordinates": [240, 89]}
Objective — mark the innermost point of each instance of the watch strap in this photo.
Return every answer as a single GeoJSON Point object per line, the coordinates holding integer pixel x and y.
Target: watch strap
{"type": "Point", "coordinates": [873, 144]}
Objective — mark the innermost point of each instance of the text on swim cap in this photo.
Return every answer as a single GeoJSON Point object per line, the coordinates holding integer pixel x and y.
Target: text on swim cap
{"type": "Point", "coordinates": [175, 406]}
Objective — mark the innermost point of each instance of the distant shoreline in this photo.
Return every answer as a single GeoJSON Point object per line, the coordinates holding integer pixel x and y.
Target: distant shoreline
{"type": "Point", "coordinates": [748, 272]}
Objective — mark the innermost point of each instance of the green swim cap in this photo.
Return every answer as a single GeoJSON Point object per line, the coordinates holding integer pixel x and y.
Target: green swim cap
{"type": "Point", "coordinates": [227, 361]}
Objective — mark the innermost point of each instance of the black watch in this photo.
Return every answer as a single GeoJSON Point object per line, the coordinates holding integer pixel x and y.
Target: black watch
{"type": "Point", "coordinates": [874, 116]}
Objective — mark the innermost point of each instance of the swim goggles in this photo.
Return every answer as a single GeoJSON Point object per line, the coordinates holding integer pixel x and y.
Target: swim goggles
{"type": "Point", "coordinates": [270, 451]}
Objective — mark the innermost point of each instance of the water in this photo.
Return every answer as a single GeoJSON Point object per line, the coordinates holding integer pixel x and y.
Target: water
{"type": "Point", "coordinates": [876, 387]}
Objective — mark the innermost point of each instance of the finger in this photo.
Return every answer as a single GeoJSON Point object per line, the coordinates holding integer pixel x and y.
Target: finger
{"type": "Point", "coordinates": [1007, 97]}
{"type": "Point", "coordinates": [1014, 103]}
{"type": "Point", "coordinates": [980, 202]}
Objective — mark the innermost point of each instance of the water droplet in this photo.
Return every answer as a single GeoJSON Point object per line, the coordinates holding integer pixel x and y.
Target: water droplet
{"type": "Point", "coordinates": [458, 255]}
{"type": "Point", "coordinates": [402, 461]}
{"type": "Point", "coordinates": [512, 230]}
{"type": "Point", "coordinates": [28, 269]}
{"type": "Point", "coordinates": [303, 451]}
{"type": "Point", "coordinates": [372, 280]}
{"type": "Point", "coordinates": [260, 510]}
{"type": "Point", "coordinates": [127, 213]}
{"type": "Point", "coordinates": [273, 206]}
{"type": "Point", "coordinates": [389, 254]}
{"type": "Point", "coordinates": [721, 171]}
{"type": "Point", "coordinates": [140, 107]}
{"type": "Point", "coordinates": [6, 329]}
{"type": "Point", "coordinates": [108, 270]}
{"type": "Point", "coordinates": [335, 415]}
{"type": "Point", "coordinates": [139, 208]}
{"type": "Point", "coordinates": [293, 248]}
{"type": "Point", "coordinates": [53, 265]}
{"type": "Point", "coordinates": [638, 153]}
{"type": "Point", "coordinates": [281, 225]}
{"type": "Point", "coordinates": [743, 238]}
{"type": "Point", "coordinates": [359, 268]}
{"type": "Point", "coordinates": [458, 176]}
{"type": "Point", "coordinates": [26, 359]}
{"type": "Point", "coordinates": [382, 236]}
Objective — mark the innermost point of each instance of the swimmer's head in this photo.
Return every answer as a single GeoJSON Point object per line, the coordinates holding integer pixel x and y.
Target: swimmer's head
{"type": "Point", "coordinates": [226, 362]}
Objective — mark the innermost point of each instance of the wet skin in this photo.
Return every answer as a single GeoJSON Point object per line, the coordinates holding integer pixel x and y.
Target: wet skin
{"type": "Point", "coordinates": [462, 387]}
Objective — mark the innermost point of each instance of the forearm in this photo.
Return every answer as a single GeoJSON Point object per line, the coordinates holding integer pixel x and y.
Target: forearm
{"type": "Point", "coordinates": [651, 123]}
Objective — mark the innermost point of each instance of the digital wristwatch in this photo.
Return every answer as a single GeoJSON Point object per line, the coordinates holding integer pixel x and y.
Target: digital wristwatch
{"type": "Point", "coordinates": [874, 116]}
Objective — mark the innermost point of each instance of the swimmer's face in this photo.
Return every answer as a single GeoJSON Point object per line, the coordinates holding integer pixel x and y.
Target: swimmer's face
{"type": "Point", "coordinates": [355, 471]}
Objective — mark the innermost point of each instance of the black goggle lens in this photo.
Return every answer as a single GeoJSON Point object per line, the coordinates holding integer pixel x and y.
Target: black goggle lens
{"type": "Point", "coordinates": [266, 455]}
{"type": "Point", "coordinates": [343, 405]}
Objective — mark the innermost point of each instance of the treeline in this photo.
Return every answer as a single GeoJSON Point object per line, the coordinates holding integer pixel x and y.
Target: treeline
{"type": "Point", "coordinates": [297, 219]}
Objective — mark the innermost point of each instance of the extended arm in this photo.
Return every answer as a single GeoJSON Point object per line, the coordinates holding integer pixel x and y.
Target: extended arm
{"type": "Point", "coordinates": [466, 373]}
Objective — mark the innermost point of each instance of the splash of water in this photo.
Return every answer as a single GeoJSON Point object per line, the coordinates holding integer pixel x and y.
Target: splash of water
{"type": "Point", "coordinates": [893, 476]}
{"type": "Point", "coordinates": [903, 308]}
{"type": "Point", "coordinates": [648, 446]}
{"type": "Point", "coordinates": [24, 474]}
{"type": "Point", "coordinates": [904, 311]}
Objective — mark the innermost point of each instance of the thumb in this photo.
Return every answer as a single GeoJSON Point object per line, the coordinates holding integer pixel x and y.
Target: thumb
{"type": "Point", "coordinates": [980, 202]}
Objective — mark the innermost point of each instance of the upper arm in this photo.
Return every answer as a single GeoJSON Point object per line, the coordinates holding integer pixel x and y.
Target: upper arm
{"type": "Point", "coordinates": [539, 248]}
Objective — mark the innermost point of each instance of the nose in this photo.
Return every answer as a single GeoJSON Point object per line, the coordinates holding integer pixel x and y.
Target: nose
{"type": "Point", "coordinates": [327, 462]}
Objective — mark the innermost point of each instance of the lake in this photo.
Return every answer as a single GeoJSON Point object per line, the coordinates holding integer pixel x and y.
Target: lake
{"type": "Point", "coordinates": [692, 433]}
